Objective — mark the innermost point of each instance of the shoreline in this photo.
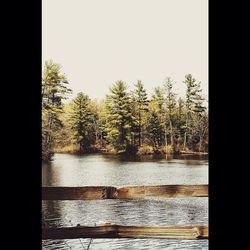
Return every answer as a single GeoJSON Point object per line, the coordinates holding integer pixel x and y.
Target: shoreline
{"type": "Point", "coordinates": [129, 153]}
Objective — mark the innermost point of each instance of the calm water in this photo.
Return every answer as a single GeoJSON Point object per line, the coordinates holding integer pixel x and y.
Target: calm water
{"type": "Point", "coordinates": [71, 170]}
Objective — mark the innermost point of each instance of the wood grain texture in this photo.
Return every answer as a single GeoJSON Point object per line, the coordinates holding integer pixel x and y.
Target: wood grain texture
{"type": "Point", "coordinates": [129, 192]}
{"type": "Point", "coordinates": [117, 231]}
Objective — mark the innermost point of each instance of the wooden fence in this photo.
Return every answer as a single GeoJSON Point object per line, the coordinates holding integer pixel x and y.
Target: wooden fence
{"type": "Point", "coordinates": [129, 192]}
{"type": "Point", "coordinates": [117, 231]}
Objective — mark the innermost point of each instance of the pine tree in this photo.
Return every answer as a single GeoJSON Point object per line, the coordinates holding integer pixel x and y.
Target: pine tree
{"type": "Point", "coordinates": [194, 102]}
{"type": "Point", "coordinates": [199, 130]}
{"type": "Point", "coordinates": [103, 121]}
{"type": "Point", "coordinates": [140, 107]}
{"type": "Point", "coordinates": [82, 122]}
{"type": "Point", "coordinates": [95, 110]}
{"type": "Point", "coordinates": [54, 91]}
{"type": "Point", "coordinates": [153, 128]}
{"type": "Point", "coordinates": [64, 136]}
{"type": "Point", "coordinates": [159, 104]}
{"type": "Point", "coordinates": [170, 106]}
{"type": "Point", "coordinates": [181, 121]}
{"type": "Point", "coordinates": [119, 117]}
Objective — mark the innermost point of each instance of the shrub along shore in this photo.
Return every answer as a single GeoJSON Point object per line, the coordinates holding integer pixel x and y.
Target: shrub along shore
{"type": "Point", "coordinates": [143, 150]}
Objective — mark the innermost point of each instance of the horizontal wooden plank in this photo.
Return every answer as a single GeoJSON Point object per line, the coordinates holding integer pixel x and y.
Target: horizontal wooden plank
{"type": "Point", "coordinates": [117, 231]}
{"type": "Point", "coordinates": [164, 191]}
{"type": "Point", "coordinates": [76, 193]}
{"type": "Point", "coordinates": [129, 192]}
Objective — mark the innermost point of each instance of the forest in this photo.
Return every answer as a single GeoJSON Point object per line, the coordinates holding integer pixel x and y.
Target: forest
{"type": "Point", "coordinates": [125, 122]}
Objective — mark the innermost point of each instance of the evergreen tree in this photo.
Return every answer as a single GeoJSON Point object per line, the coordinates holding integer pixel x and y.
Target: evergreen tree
{"type": "Point", "coordinates": [103, 121]}
{"type": "Point", "coordinates": [194, 103]}
{"type": "Point", "coordinates": [153, 127]}
{"type": "Point", "coordinates": [64, 136]}
{"type": "Point", "coordinates": [170, 106]}
{"type": "Point", "coordinates": [82, 122]}
{"type": "Point", "coordinates": [180, 121]}
{"type": "Point", "coordinates": [140, 106]}
{"type": "Point", "coordinates": [159, 104]}
{"type": "Point", "coordinates": [54, 91]}
{"type": "Point", "coordinates": [119, 117]}
{"type": "Point", "coordinates": [95, 110]}
{"type": "Point", "coordinates": [199, 130]}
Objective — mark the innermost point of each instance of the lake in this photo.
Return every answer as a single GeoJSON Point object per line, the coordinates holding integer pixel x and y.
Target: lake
{"type": "Point", "coordinates": [98, 170]}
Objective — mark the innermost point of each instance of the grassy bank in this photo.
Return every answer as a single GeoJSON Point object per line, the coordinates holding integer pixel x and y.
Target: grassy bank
{"type": "Point", "coordinates": [143, 150]}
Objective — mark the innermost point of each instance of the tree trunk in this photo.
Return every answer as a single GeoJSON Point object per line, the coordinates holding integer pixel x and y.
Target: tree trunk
{"type": "Point", "coordinates": [185, 135]}
{"type": "Point", "coordinates": [165, 136]}
{"type": "Point", "coordinates": [200, 144]}
{"type": "Point", "coordinates": [139, 135]}
{"type": "Point", "coordinates": [201, 138]}
{"type": "Point", "coordinates": [185, 139]}
{"type": "Point", "coordinates": [96, 131]}
{"type": "Point", "coordinates": [139, 129]}
{"type": "Point", "coordinates": [133, 138]}
{"type": "Point", "coordinates": [81, 147]}
{"type": "Point", "coordinates": [171, 136]}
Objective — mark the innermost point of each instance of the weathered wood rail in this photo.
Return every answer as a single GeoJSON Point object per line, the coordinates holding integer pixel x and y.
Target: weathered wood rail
{"type": "Point", "coordinates": [117, 231]}
{"type": "Point", "coordinates": [129, 192]}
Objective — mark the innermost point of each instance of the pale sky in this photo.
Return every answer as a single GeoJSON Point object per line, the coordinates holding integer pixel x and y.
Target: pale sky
{"type": "Point", "coordinates": [98, 42]}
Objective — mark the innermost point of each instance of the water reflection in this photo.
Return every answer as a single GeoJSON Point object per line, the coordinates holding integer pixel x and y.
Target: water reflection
{"type": "Point", "coordinates": [94, 170]}
{"type": "Point", "coordinates": [136, 158]}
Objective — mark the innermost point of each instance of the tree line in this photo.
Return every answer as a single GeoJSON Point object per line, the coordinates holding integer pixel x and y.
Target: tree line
{"type": "Point", "coordinates": [125, 121]}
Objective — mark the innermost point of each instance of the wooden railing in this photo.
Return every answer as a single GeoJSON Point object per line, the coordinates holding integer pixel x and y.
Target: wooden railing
{"type": "Point", "coordinates": [129, 192]}
{"type": "Point", "coordinates": [117, 231]}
